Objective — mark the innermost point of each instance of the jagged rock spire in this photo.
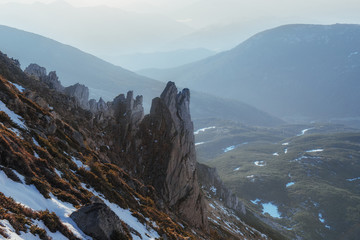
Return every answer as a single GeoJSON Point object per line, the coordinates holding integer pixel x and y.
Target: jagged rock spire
{"type": "Point", "coordinates": [168, 155]}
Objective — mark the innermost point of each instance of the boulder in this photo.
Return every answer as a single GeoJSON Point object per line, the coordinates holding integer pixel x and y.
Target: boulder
{"type": "Point", "coordinates": [98, 221]}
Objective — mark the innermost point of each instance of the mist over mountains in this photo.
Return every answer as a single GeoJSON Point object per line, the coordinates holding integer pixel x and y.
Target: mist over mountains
{"type": "Point", "coordinates": [294, 72]}
{"type": "Point", "coordinates": [107, 80]}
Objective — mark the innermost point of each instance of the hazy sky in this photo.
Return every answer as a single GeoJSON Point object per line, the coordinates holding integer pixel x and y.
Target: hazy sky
{"type": "Point", "coordinates": [160, 25]}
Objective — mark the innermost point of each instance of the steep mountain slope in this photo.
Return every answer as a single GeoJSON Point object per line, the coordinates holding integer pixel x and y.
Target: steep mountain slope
{"type": "Point", "coordinates": [302, 180]}
{"type": "Point", "coordinates": [293, 71]}
{"type": "Point", "coordinates": [106, 80]}
{"type": "Point", "coordinates": [61, 165]}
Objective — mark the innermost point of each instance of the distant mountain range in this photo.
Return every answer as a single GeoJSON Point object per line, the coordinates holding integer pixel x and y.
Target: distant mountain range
{"type": "Point", "coordinates": [166, 59]}
{"type": "Point", "coordinates": [107, 80]}
{"type": "Point", "coordinates": [295, 72]}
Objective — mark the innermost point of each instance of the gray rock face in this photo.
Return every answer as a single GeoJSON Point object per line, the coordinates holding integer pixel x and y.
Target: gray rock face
{"type": "Point", "coordinates": [39, 73]}
{"type": "Point", "coordinates": [98, 221]}
{"type": "Point", "coordinates": [80, 93]}
{"type": "Point", "coordinates": [168, 159]}
{"type": "Point", "coordinates": [36, 71]}
{"type": "Point", "coordinates": [210, 180]}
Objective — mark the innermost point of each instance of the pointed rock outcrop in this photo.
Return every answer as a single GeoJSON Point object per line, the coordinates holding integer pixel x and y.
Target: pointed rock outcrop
{"type": "Point", "coordinates": [39, 73]}
{"type": "Point", "coordinates": [80, 93]}
{"type": "Point", "coordinates": [168, 159]}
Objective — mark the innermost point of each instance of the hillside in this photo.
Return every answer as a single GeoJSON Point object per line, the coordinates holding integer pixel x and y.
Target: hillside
{"type": "Point", "coordinates": [109, 172]}
{"type": "Point", "coordinates": [295, 72]}
{"type": "Point", "coordinates": [106, 80]}
{"type": "Point", "coordinates": [304, 179]}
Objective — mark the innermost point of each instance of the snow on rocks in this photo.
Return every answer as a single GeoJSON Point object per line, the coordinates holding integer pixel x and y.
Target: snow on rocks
{"type": "Point", "coordinates": [20, 88]}
{"type": "Point", "coordinates": [213, 189]}
{"type": "Point", "coordinates": [203, 130]}
{"type": "Point", "coordinates": [13, 116]}
{"type": "Point", "coordinates": [30, 197]}
{"type": "Point", "coordinates": [125, 215]}
{"type": "Point", "coordinates": [80, 164]}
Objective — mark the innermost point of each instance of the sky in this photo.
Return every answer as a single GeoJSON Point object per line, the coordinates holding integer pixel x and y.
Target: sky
{"type": "Point", "coordinates": [145, 26]}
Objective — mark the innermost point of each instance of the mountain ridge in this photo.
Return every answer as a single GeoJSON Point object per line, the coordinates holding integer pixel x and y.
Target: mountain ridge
{"type": "Point", "coordinates": [292, 66]}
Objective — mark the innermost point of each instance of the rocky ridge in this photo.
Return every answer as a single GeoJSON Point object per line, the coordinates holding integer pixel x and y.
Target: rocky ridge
{"type": "Point", "coordinates": [88, 147]}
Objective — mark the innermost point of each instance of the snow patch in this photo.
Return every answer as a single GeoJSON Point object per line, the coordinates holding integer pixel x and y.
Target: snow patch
{"type": "Point", "coordinates": [20, 88]}
{"type": "Point", "coordinates": [125, 215]}
{"type": "Point", "coordinates": [352, 54]}
{"type": "Point", "coordinates": [80, 164]}
{"type": "Point", "coordinates": [203, 130]}
{"type": "Point", "coordinates": [271, 209]}
{"type": "Point", "coordinates": [285, 150]}
{"type": "Point", "coordinates": [236, 169]}
{"type": "Point", "coordinates": [260, 163]}
{"type": "Point", "coordinates": [285, 144]}
{"type": "Point", "coordinates": [59, 173]}
{"type": "Point", "coordinates": [13, 116]}
{"type": "Point", "coordinates": [228, 149]}
{"type": "Point", "coordinates": [199, 143]}
{"type": "Point", "coordinates": [36, 142]}
{"type": "Point", "coordinates": [353, 179]}
{"type": "Point", "coordinates": [315, 150]}
{"type": "Point", "coordinates": [30, 197]}
{"type": "Point", "coordinates": [289, 184]}
{"type": "Point", "coordinates": [304, 131]}
{"type": "Point", "coordinates": [275, 154]}
{"type": "Point", "coordinates": [256, 201]}
{"type": "Point", "coordinates": [10, 231]}
{"type": "Point", "coordinates": [213, 189]}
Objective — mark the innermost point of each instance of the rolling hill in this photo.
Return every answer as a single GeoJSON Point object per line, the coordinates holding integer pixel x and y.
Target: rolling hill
{"type": "Point", "coordinates": [296, 72]}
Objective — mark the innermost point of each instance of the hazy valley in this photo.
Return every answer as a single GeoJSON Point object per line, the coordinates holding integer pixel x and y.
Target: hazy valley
{"type": "Point", "coordinates": [260, 141]}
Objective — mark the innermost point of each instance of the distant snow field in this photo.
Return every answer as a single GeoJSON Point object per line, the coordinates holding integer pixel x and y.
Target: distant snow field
{"type": "Point", "coordinates": [268, 208]}
{"type": "Point", "coordinates": [203, 130]}
{"type": "Point", "coordinates": [315, 150]}
{"type": "Point", "coordinates": [271, 209]}
{"type": "Point", "coordinates": [304, 131]}
{"type": "Point", "coordinates": [353, 179]}
{"type": "Point", "coordinates": [228, 149]}
{"type": "Point", "coordinates": [260, 163]}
